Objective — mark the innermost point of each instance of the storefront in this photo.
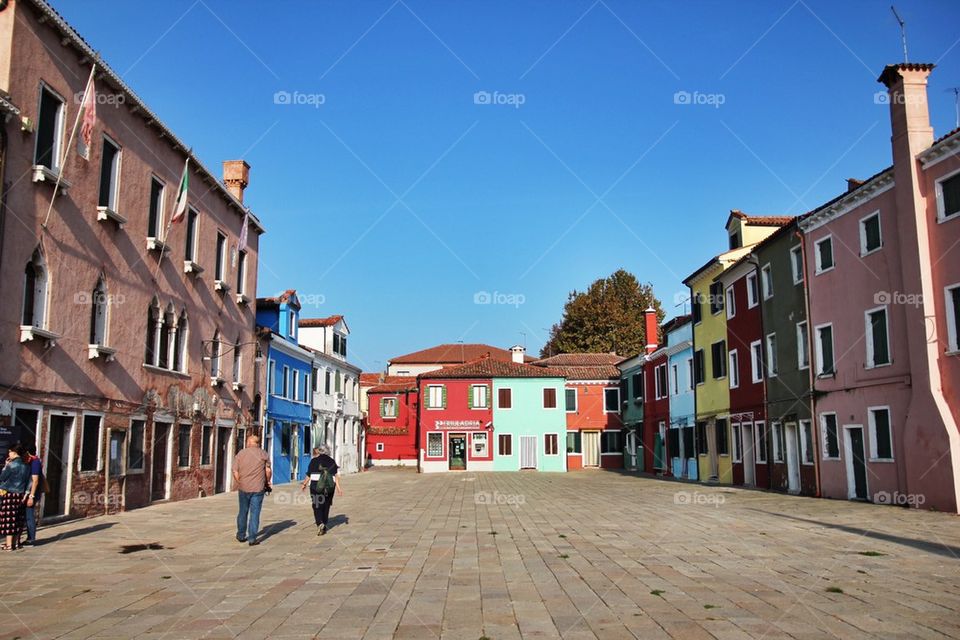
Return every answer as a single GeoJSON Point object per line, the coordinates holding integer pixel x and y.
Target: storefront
{"type": "Point", "coordinates": [456, 423]}
{"type": "Point", "coordinates": [458, 445]}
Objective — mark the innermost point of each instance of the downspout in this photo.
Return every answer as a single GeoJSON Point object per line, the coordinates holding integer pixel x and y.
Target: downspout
{"type": "Point", "coordinates": [811, 368]}
{"type": "Point", "coordinates": [419, 470]}
{"type": "Point", "coordinates": [755, 262]}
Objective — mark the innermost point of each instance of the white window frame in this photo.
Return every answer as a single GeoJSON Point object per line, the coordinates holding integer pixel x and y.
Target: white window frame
{"type": "Point", "coordinates": [675, 378]}
{"type": "Point", "coordinates": [658, 391]}
{"type": "Point", "coordinates": [863, 233]}
{"type": "Point", "coordinates": [605, 410]}
{"type": "Point", "coordinates": [778, 433]}
{"type": "Point", "coordinates": [434, 435]}
{"type": "Point", "coordinates": [872, 428]}
{"type": "Point", "coordinates": [510, 408]}
{"type": "Point", "coordinates": [576, 399]}
{"type": "Point", "coordinates": [953, 331]}
{"type": "Point", "coordinates": [272, 376]}
{"type": "Point", "coordinates": [285, 384]}
{"type": "Point", "coordinates": [938, 187]}
{"type": "Point", "coordinates": [766, 282]}
{"type": "Point", "coordinates": [474, 437]}
{"type": "Point", "coordinates": [690, 382]}
{"type": "Point", "coordinates": [823, 435]}
{"type": "Point", "coordinates": [804, 425]}
{"type": "Point", "coordinates": [796, 269]}
{"type": "Point", "coordinates": [756, 364]}
{"type": "Point", "coordinates": [431, 389]}
{"type": "Point", "coordinates": [114, 195]}
{"type": "Point", "coordinates": [730, 299]}
{"type": "Point", "coordinates": [143, 446]}
{"type": "Point", "coordinates": [803, 355]}
{"type": "Point", "coordinates": [759, 453]}
{"type": "Point", "coordinates": [816, 254]}
{"type": "Point", "coordinates": [818, 350]}
{"type": "Point", "coordinates": [753, 290]}
{"type": "Point", "coordinates": [57, 151]}
{"type": "Point", "coordinates": [100, 435]}
{"type": "Point", "coordinates": [733, 368]}
{"type": "Point", "coordinates": [556, 399]}
{"type": "Point", "coordinates": [296, 386]}
{"type": "Point", "coordinates": [391, 401]}
{"type": "Point", "coordinates": [771, 353]}
{"type": "Point", "coordinates": [868, 332]}
{"type": "Point", "coordinates": [560, 449]}
{"type": "Point", "coordinates": [379, 447]}
{"type": "Point", "coordinates": [737, 442]}
{"type": "Point", "coordinates": [473, 396]}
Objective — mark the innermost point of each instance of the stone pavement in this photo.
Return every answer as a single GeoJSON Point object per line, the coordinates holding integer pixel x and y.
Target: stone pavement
{"type": "Point", "coordinates": [507, 555]}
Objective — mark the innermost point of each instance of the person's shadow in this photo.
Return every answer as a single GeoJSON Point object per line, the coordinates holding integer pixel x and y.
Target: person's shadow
{"type": "Point", "coordinates": [273, 529]}
{"type": "Point", "coordinates": [336, 521]}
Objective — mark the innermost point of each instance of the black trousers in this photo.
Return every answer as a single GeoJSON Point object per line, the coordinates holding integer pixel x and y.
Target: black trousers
{"type": "Point", "coordinates": [321, 503]}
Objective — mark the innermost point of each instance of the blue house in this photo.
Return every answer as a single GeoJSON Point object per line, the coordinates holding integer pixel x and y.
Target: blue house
{"type": "Point", "coordinates": [680, 438]}
{"type": "Point", "coordinates": [287, 435]}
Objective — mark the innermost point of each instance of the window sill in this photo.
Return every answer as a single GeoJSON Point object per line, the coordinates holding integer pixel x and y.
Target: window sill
{"type": "Point", "coordinates": [221, 286]}
{"type": "Point", "coordinates": [953, 216]}
{"type": "Point", "coordinates": [882, 460]}
{"type": "Point", "coordinates": [954, 352]}
{"type": "Point", "coordinates": [29, 332]}
{"type": "Point", "coordinates": [864, 254]}
{"type": "Point", "coordinates": [156, 244]}
{"type": "Point", "coordinates": [826, 376]}
{"type": "Point", "coordinates": [192, 268]}
{"type": "Point", "coordinates": [238, 386]}
{"type": "Point", "coordinates": [95, 351]}
{"type": "Point", "coordinates": [134, 472]}
{"type": "Point", "coordinates": [169, 372]}
{"type": "Point", "coordinates": [106, 213]}
{"type": "Point", "coordinates": [242, 299]}
{"type": "Point", "coordinates": [870, 367]}
{"type": "Point", "coordinates": [46, 174]}
{"type": "Point", "coordinates": [822, 271]}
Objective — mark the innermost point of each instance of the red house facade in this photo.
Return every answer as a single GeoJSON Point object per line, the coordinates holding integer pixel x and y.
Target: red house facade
{"type": "Point", "coordinates": [392, 422]}
{"type": "Point", "coordinates": [656, 413]}
{"type": "Point", "coordinates": [456, 420]}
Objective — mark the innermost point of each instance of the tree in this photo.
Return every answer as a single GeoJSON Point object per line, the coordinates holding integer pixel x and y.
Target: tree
{"type": "Point", "coordinates": [607, 317]}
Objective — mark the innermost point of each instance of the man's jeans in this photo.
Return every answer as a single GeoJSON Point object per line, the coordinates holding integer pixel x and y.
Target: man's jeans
{"type": "Point", "coordinates": [250, 503]}
{"type": "Point", "coordinates": [32, 521]}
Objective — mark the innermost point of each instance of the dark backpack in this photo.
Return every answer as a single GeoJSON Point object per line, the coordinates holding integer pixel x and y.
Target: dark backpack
{"type": "Point", "coordinates": [327, 481]}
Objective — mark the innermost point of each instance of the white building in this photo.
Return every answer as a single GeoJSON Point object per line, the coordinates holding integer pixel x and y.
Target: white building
{"type": "Point", "coordinates": [336, 391]}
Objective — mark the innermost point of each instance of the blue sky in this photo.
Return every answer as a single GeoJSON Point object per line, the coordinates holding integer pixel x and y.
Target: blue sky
{"type": "Point", "coordinates": [400, 198]}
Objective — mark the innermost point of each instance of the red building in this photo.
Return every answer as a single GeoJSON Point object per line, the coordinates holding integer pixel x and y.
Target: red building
{"type": "Point", "coordinates": [391, 423]}
{"type": "Point", "coordinates": [594, 426]}
{"type": "Point", "coordinates": [656, 412]}
{"type": "Point", "coordinates": [456, 418]}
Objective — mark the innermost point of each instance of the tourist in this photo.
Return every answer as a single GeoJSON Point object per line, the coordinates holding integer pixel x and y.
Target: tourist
{"type": "Point", "coordinates": [251, 475]}
{"type": "Point", "coordinates": [34, 494]}
{"type": "Point", "coordinates": [14, 481]}
{"type": "Point", "coordinates": [324, 481]}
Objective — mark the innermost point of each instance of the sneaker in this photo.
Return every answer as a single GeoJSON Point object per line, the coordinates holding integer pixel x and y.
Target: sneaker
{"type": "Point", "coordinates": [322, 530]}
{"type": "Point", "coordinates": [253, 543]}
{"type": "Point", "coordinates": [29, 543]}
{"type": "Point", "coordinates": [319, 529]}
{"type": "Point", "coordinates": [241, 540]}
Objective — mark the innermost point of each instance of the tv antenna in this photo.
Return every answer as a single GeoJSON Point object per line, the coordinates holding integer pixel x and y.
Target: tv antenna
{"type": "Point", "coordinates": [956, 103]}
{"type": "Point", "coordinates": [903, 31]}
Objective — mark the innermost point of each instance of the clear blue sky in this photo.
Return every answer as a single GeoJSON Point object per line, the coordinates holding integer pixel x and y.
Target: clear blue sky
{"type": "Point", "coordinates": [398, 199]}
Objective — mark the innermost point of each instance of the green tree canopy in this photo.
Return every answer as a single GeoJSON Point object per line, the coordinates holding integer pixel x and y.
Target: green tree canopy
{"type": "Point", "coordinates": [607, 317]}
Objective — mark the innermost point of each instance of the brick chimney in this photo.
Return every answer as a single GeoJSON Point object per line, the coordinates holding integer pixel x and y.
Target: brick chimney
{"type": "Point", "coordinates": [236, 176]}
{"type": "Point", "coordinates": [517, 353]}
{"type": "Point", "coordinates": [853, 183]}
{"type": "Point", "coordinates": [651, 329]}
{"type": "Point", "coordinates": [909, 113]}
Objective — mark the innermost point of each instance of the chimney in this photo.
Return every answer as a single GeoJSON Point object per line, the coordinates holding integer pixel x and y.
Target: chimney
{"type": "Point", "coordinates": [909, 113]}
{"type": "Point", "coordinates": [853, 183]}
{"type": "Point", "coordinates": [517, 352]}
{"type": "Point", "coordinates": [236, 176]}
{"type": "Point", "coordinates": [650, 329]}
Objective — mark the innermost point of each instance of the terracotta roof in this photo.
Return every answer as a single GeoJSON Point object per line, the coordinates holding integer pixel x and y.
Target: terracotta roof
{"type": "Point", "coordinates": [283, 297]}
{"type": "Point", "coordinates": [372, 379]}
{"type": "Point", "coordinates": [487, 367]}
{"type": "Point", "coordinates": [454, 354]}
{"type": "Point", "coordinates": [605, 372]}
{"type": "Point", "coordinates": [406, 383]}
{"type": "Point", "coordinates": [676, 323]}
{"type": "Point", "coordinates": [579, 360]}
{"type": "Point", "coordinates": [890, 71]}
{"type": "Point", "coordinates": [760, 221]}
{"type": "Point", "coordinates": [320, 322]}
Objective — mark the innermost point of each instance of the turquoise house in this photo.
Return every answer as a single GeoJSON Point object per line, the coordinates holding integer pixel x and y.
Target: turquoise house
{"type": "Point", "coordinates": [529, 419]}
{"type": "Point", "coordinates": [680, 437]}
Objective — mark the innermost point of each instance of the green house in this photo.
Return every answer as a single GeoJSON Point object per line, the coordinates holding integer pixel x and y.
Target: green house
{"type": "Point", "coordinates": [529, 419]}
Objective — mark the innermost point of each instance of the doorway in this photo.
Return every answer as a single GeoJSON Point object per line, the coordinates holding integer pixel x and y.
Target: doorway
{"type": "Point", "coordinates": [856, 466]}
{"type": "Point", "coordinates": [528, 452]}
{"type": "Point", "coordinates": [223, 456]}
{"type": "Point", "coordinates": [749, 461]}
{"type": "Point", "coordinates": [591, 449]}
{"type": "Point", "coordinates": [458, 452]}
{"type": "Point", "coordinates": [59, 465]}
{"type": "Point", "coordinates": [793, 458]}
{"type": "Point", "coordinates": [631, 449]}
{"type": "Point", "coordinates": [160, 471]}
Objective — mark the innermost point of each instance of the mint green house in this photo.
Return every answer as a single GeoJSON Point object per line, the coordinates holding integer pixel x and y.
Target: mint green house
{"type": "Point", "coordinates": [529, 419]}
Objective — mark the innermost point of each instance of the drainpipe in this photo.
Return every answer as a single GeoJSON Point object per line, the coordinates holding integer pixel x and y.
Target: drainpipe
{"type": "Point", "coordinates": [755, 263]}
{"type": "Point", "coordinates": [814, 423]}
{"type": "Point", "coordinates": [106, 474]}
{"type": "Point", "coordinates": [417, 431]}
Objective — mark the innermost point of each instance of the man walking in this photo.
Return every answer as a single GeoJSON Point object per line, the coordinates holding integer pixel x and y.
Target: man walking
{"type": "Point", "coordinates": [252, 475]}
{"type": "Point", "coordinates": [323, 480]}
{"type": "Point", "coordinates": [34, 493]}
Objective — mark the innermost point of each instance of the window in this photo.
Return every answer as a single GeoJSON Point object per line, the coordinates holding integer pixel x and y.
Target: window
{"type": "Point", "coordinates": [379, 447]}
{"type": "Point", "coordinates": [479, 444]}
{"type": "Point", "coordinates": [778, 441]}
{"type": "Point", "coordinates": [823, 249]}
{"type": "Point", "coordinates": [549, 398]}
{"type": "Point", "coordinates": [806, 442]}
{"type": "Point", "coordinates": [286, 438]}
{"type": "Point", "coordinates": [753, 291]}
{"type": "Point", "coordinates": [637, 384]}
{"type": "Point", "coordinates": [690, 372]}
{"type": "Point", "coordinates": [271, 377]}
{"type": "Point", "coordinates": [735, 242]}
{"type": "Point", "coordinates": [734, 365]}
{"type": "Point", "coordinates": [155, 212]}
{"type": "Point", "coordinates": [268, 437]}
{"type": "Point", "coordinates": [315, 378]}
{"type": "Point", "coordinates": [756, 361]}
{"type": "Point", "coordinates": [699, 368]}
{"type": "Point", "coordinates": [35, 292]}
{"type": "Point", "coordinates": [551, 446]}
{"type": "Point", "coordinates": [98, 314]}
{"type": "Point", "coordinates": [831, 442]}
{"type": "Point", "coordinates": [718, 356]}
{"type": "Point", "coordinates": [215, 356]}
{"type": "Point", "coordinates": [716, 298]}
{"type": "Point", "coordinates": [165, 328]}
{"type": "Point", "coordinates": [574, 443]}
{"type": "Point", "coordinates": [696, 308]}
{"type": "Point", "coordinates": [611, 442]}
{"type": "Point", "coordinates": [504, 398]}
{"type": "Point", "coordinates": [675, 378]}
{"type": "Point", "coordinates": [737, 442]}
{"type": "Point", "coordinates": [306, 448]}
{"type": "Point", "coordinates": [116, 453]}
{"type": "Point", "coordinates": [570, 400]}
{"type": "Point", "coordinates": [328, 378]}
{"type": "Point", "coordinates": [660, 381]}
{"type": "Point", "coordinates": [772, 369]}
{"type": "Point", "coordinates": [505, 444]}
{"type": "Point", "coordinates": [242, 271]}
{"type": "Point", "coordinates": [180, 343]}
{"type": "Point", "coordinates": [285, 383]}
{"type": "Point", "coordinates": [109, 175]}
{"type": "Point", "coordinates": [190, 247]}
{"type": "Point", "coordinates": [183, 445]}
{"type": "Point", "coordinates": [336, 343]}
{"type": "Point", "coordinates": [731, 302]}
{"type": "Point", "coordinates": [803, 346]}
{"type": "Point", "coordinates": [948, 197]}
{"type": "Point", "coordinates": [135, 449]}
{"type": "Point", "coordinates": [761, 430]}
{"type": "Point", "coordinates": [295, 387]}
{"type": "Point", "coordinates": [723, 448]}
{"type": "Point", "coordinates": [825, 350]}
{"type": "Point", "coordinates": [878, 341]}
{"type": "Point", "coordinates": [237, 361]}
{"type": "Point", "coordinates": [206, 447]}
{"type": "Point", "coordinates": [953, 318]}
{"type": "Point", "coordinates": [221, 257]}
{"type": "Point", "coordinates": [870, 239]}
{"type": "Point", "coordinates": [337, 382]}
{"type": "Point", "coordinates": [881, 437]}
{"type": "Point", "coordinates": [796, 264]}
{"type": "Point", "coordinates": [49, 150]}
{"type": "Point", "coordinates": [90, 443]}
{"type": "Point", "coordinates": [766, 281]}
{"type": "Point", "coordinates": [436, 396]}
{"type": "Point", "coordinates": [388, 407]}
{"type": "Point", "coordinates": [701, 437]}
{"type": "Point", "coordinates": [478, 396]}
{"type": "Point", "coordinates": [611, 400]}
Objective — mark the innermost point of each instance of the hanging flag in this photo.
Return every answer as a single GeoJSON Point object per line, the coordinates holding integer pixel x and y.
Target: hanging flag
{"type": "Point", "coordinates": [180, 206]}
{"type": "Point", "coordinates": [88, 108]}
{"type": "Point", "coordinates": [243, 233]}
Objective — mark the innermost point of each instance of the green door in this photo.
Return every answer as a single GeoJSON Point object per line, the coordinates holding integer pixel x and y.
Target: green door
{"type": "Point", "coordinates": [458, 452]}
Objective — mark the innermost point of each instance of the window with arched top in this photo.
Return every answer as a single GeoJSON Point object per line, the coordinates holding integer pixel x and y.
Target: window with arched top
{"type": "Point", "coordinates": [164, 359]}
{"type": "Point", "coordinates": [237, 363]}
{"type": "Point", "coordinates": [180, 343]}
{"type": "Point", "coordinates": [153, 321]}
{"type": "Point", "coordinates": [35, 280]}
{"type": "Point", "coordinates": [98, 313]}
{"type": "Point", "coordinates": [215, 355]}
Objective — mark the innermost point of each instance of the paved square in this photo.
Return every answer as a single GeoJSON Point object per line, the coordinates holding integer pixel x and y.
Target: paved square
{"type": "Point", "coordinates": [466, 556]}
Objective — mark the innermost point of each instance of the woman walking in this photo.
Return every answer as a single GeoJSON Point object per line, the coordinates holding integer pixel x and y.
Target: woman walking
{"type": "Point", "coordinates": [323, 481]}
{"type": "Point", "coordinates": [14, 480]}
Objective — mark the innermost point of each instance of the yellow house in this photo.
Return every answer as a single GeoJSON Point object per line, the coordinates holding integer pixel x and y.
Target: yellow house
{"type": "Point", "coordinates": [712, 387]}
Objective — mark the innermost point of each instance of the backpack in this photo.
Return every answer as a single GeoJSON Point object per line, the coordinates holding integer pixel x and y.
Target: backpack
{"type": "Point", "coordinates": [327, 481]}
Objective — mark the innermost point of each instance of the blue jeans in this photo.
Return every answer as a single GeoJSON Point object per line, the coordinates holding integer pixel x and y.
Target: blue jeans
{"type": "Point", "coordinates": [32, 521]}
{"type": "Point", "coordinates": [250, 503]}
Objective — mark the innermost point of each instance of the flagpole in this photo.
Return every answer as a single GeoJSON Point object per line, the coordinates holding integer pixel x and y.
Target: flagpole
{"type": "Point", "coordinates": [166, 233]}
{"type": "Point", "coordinates": [66, 151]}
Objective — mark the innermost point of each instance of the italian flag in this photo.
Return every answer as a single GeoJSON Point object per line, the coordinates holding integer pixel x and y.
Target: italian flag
{"type": "Point", "coordinates": [180, 206]}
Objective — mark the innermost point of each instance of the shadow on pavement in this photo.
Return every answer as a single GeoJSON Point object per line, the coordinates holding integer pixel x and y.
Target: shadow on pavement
{"type": "Point", "coordinates": [275, 528]}
{"type": "Point", "coordinates": [41, 539]}
{"type": "Point", "coordinates": [336, 521]}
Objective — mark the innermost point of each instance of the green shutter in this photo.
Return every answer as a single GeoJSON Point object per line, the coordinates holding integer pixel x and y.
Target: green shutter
{"type": "Point", "coordinates": [443, 396]}
{"type": "Point", "coordinates": [470, 397]}
{"type": "Point", "coordinates": [383, 404]}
